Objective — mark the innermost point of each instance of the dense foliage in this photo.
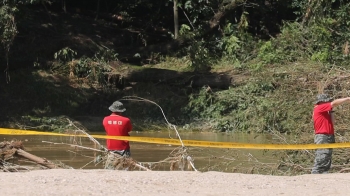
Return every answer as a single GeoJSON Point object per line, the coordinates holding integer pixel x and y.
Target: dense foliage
{"type": "Point", "coordinates": [273, 42]}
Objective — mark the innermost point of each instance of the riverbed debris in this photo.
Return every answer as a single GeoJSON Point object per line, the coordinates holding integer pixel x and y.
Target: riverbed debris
{"type": "Point", "coordinates": [11, 151]}
{"type": "Point", "coordinates": [179, 157]}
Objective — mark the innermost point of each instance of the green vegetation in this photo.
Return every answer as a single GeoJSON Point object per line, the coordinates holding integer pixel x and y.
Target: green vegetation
{"type": "Point", "coordinates": [74, 59]}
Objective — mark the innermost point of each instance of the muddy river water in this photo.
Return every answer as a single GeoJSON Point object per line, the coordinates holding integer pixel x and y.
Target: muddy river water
{"type": "Point", "coordinates": [58, 149]}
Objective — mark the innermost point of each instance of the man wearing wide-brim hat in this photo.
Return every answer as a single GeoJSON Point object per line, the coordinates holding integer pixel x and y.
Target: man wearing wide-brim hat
{"type": "Point", "coordinates": [324, 130]}
{"type": "Point", "coordinates": [117, 125]}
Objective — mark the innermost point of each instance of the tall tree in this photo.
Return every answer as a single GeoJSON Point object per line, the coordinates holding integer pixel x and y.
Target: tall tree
{"type": "Point", "coordinates": [176, 20]}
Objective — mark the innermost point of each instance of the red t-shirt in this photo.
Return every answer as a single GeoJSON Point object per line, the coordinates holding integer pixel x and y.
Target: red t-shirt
{"type": "Point", "coordinates": [322, 119]}
{"type": "Point", "coordinates": [116, 125]}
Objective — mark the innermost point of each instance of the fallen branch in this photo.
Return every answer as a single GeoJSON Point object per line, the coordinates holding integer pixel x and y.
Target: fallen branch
{"type": "Point", "coordinates": [74, 145]}
{"type": "Point", "coordinates": [36, 159]}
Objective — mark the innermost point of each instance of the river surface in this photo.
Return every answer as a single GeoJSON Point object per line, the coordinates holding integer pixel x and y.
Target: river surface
{"type": "Point", "coordinates": [59, 150]}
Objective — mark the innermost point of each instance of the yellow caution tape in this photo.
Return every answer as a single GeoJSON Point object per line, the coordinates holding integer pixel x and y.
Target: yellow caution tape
{"type": "Point", "coordinates": [197, 143]}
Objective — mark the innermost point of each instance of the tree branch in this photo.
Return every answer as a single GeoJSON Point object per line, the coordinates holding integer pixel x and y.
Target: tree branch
{"type": "Point", "coordinates": [223, 10]}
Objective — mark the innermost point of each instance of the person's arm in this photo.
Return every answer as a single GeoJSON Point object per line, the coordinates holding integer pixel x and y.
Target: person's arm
{"type": "Point", "coordinates": [129, 126]}
{"type": "Point", "coordinates": [340, 101]}
{"type": "Point", "coordinates": [332, 117]}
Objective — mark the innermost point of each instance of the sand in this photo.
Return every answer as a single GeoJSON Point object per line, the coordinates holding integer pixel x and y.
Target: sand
{"type": "Point", "coordinates": [113, 182]}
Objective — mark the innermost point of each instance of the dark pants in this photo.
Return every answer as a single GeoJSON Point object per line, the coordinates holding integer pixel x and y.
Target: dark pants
{"type": "Point", "coordinates": [323, 157]}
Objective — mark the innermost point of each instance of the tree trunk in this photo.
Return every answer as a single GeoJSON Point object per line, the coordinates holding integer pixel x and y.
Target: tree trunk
{"type": "Point", "coordinates": [64, 8]}
{"type": "Point", "coordinates": [176, 20]}
{"type": "Point", "coordinates": [97, 9]}
{"type": "Point", "coordinates": [172, 45]}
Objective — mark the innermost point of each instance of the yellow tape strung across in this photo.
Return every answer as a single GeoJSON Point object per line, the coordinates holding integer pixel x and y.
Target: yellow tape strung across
{"type": "Point", "coordinates": [211, 144]}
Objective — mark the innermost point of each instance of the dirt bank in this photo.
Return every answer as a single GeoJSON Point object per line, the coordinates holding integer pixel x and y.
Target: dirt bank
{"type": "Point", "coordinates": [108, 182]}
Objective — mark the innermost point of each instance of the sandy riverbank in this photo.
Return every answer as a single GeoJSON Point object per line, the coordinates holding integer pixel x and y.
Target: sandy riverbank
{"type": "Point", "coordinates": [110, 182]}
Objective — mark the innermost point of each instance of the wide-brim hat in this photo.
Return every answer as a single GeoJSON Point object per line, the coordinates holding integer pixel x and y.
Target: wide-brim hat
{"type": "Point", "coordinates": [322, 98]}
{"type": "Point", "coordinates": [117, 106]}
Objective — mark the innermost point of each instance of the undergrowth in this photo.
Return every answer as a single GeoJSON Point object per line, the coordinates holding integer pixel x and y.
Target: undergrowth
{"type": "Point", "coordinates": [279, 98]}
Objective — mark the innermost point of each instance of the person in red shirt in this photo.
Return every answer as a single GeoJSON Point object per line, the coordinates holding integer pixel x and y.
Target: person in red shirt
{"type": "Point", "coordinates": [324, 131]}
{"type": "Point", "coordinates": [117, 125]}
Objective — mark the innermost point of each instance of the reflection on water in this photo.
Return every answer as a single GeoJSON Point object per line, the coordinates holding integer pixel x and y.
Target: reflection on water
{"type": "Point", "coordinates": [58, 149]}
